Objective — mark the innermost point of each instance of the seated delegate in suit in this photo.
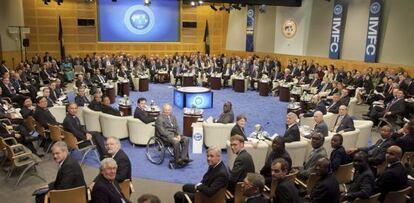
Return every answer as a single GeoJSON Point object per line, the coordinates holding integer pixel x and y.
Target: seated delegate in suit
{"type": "Point", "coordinates": [338, 155]}
{"type": "Point", "coordinates": [227, 116]}
{"type": "Point", "coordinates": [108, 109]}
{"type": "Point", "coordinates": [334, 106]}
{"type": "Point", "coordinates": [238, 129]}
{"type": "Point", "coordinates": [377, 151]}
{"type": "Point", "coordinates": [96, 103]}
{"type": "Point", "coordinates": [326, 188]}
{"type": "Point", "coordinates": [42, 113]}
{"type": "Point", "coordinates": [317, 152]}
{"type": "Point", "coordinates": [106, 189]}
{"type": "Point", "coordinates": [140, 112]}
{"type": "Point", "coordinates": [166, 128]}
{"type": "Point", "coordinates": [363, 182]}
{"type": "Point", "coordinates": [113, 147]}
{"type": "Point", "coordinates": [345, 98]}
{"type": "Point", "coordinates": [394, 177]}
{"type": "Point", "coordinates": [319, 106]}
{"type": "Point", "coordinates": [69, 174]}
{"type": "Point", "coordinates": [253, 186]}
{"type": "Point", "coordinates": [278, 151]}
{"type": "Point", "coordinates": [213, 180]}
{"type": "Point", "coordinates": [344, 122]}
{"type": "Point", "coordinates": [320, 125]}
{"type": "Point", "coordinates": [404, 137]}
{"type": "Point", "coordinates": [292, 133]}
{"type": "Point", "coordinates": [393, 109]}
{"type": "Point", "coordinates": [243, 163]}
{"type": "Point", "coordinates": [28, 108]}
{"type": "Point", "coordinates": [46, 93]}
{"type": "Point", "coordinates": [72, 124]}
{"type": "Point", "coordinates": [286, 190]}
{"type": "Point", "coordinates": [81, 99]}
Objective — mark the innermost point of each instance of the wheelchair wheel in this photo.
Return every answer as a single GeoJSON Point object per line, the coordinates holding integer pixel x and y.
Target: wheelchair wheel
{"type": "Point", "coordinates": [155, 150]}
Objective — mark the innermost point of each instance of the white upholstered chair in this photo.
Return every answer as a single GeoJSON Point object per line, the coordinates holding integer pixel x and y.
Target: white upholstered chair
{"type": "Point", "coordinates": [258, 154]}
{"type": "Point", "coordinates": [139, 132]}
{"type": "Point", "coordinates": [135, 81]}
{"type": "Point", "coordinates": [350, 139]}
{"type": "Point", "coordinates": [114, 126]}
{"type": "Point", "coordinates": [91, 119]}
{"type": "Point", "coordinates": [351, 106]}
{"type": "Point", "coordinates": [330, 119]}
{"type": "Point", "coordinates": [327, 144]}
{"type": "Point", "coordinates": [217, 134]}
{"type": "Point", "coordinates": [365, 128]}
{"type": "Point", "coordinates": [307, 121]}
{"type": "Point", "coordinates": [59, 112]}
{"type": "Point", "coordinates": [172, 78]}
{"type": "Point", "coordinates": [297, 152]}
{"type": "Point", "coordinates": [79, 114]}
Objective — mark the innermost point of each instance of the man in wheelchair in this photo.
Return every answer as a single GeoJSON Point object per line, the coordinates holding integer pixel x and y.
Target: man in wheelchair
{"type": "Point", "coordinates": [166, 127]}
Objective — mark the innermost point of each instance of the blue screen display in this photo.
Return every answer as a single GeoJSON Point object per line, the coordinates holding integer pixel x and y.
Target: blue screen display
{"type": "Point", "coordinates": [131, 21]}
{"type": "Point", "coordinates": [200, 100]}
{"type": "Point", "coordinates": [178, 99]}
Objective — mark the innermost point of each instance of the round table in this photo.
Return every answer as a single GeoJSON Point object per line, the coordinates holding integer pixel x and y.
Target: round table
{"type": "Point", "coordinates": [143, 84]}
{"type": "Point", "coordinates": [238, 85]}
{"type": "Point", "coordinates": [123, 88]}
{"type": "Point", "coordinates": [110, 92]}
{"type": "Point", "coordinates": [125, 109]}
{"type": "Point", "coordinates": [264, 88]}
{"type": "Point", "coordinates": [284, 94]}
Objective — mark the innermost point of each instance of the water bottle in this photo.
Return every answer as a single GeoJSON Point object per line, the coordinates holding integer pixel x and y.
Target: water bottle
{"type": "Point", "coordinates": [152, 105]}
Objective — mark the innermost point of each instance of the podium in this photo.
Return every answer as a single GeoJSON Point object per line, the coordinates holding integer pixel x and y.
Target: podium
{"type": "Point", "coordinates": [215, 83]}
{"type": "Point", "coordinates": [238, 85]}
{"type": "Point", "coordinates": [188, 120]}
{"type": "Point", "coordinates": [264, 88]}
{"type": "Point", "coordinates": [143, 84]}
{"type": "Point", "coordinates": [284, 94]}
{"type": "Point", "coordinates": [198, 137]}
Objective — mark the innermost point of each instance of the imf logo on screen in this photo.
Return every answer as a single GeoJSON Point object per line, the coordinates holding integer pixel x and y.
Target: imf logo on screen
{"type": "Point", "coordinates": [139, 19]}
{"type": "Point", "coordinates": [338, 9]}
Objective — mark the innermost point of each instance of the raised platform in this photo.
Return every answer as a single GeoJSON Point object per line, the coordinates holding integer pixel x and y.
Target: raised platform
{"type": "Point", "coordinates": [189, 97]}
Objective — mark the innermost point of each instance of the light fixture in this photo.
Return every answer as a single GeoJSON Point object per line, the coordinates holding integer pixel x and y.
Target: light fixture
{"type": "Point", "coordinates": [193, 3]}
{"type": "Point", "coordinates": [59, 2]}
{"type": "Point", "coordinates": [200, 2]}
{"type": "Point", "coordinates": [262, 8]}
{"type": "Point", "coordinates": [213, 7]}
{"type": "Point", "coordinates": [147, 2]}
{"type": "Point", "coordinates": [236, 6]}
{"type": "Point", "coordinates": [46, 2]}
{"type": "Point", "coordinates": [222, 7]}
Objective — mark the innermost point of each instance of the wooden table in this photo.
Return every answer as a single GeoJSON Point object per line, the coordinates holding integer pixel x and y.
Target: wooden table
{"type": "Point", "coordinates": [215, 83]}
{"type": "Point", "coordinates": [110, 92]}
{"type": "Point", "coordinates": [238, 85]}
{"type": "Point", "coordinates": [153, 113]}
{"type": "Point", "coordinates": [125, 109]}
{"type": "Point", "coordinates": [188, 81]}
{"type": "Point", "coordinates": [163, 77]}
{"type": "Point", "coordinates": [264, 88]}
{"type": "Point", "coordinates": [284, 94]}
{"type": "Point", "coordinates": [123, 88]}
{"type": "Point", "coordinates": [188, 120]}
{"type": "Point", "coordinates": [143, 84]}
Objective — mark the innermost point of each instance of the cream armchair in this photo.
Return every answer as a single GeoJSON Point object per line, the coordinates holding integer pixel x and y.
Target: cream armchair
{"type": "Point", "coordinates": [351, 106]}
{"type": "Point", "coordinates": [365, 128]}
{"type": "Point", "coordinates": [139, 132]}
{"type": "Point", "coordinates": [79, 114]}
{"type": "Point", "coordinates": [217, 134]}
{"type": "Point", "coordinates": [91, 119]}
{"type": "Point", "coordinates": [350, 139]}
{"type": "Point", "coordinates": [258, 154]}
{"type": "Point", "coordinates": [113, 126]}
{"type": "Point", "coordinates": [297, 152]}
{"type": "Point", "coordinates": [59, 112]}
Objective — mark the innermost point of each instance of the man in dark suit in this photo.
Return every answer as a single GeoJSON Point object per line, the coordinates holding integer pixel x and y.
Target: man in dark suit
{"type": "Point", "coordinates": [42, 114]}
{"type": "Point", "coordinates": [338, 155]}
{"type": "Point", "coordinates": [80, 98]}
{"type": "Point", "coordinates": [317, 152]}
{"type": "Point", "coordinates": [344, 122]}
{"type": "Point", "coordinates": [253, 186]}
{"type": "Point", "coordinates": [243, 163]}
{"type": "Point", "coordinates": [326, 189]}
{"type": "Point", "coordinates": [286, 190]}
{"type": "Point", "coordinates": [334, 106]}
{"type": "Point", "coordinates": [113, 147]}
{"type": "Point", "coordinates": [69, 174]}
{"type": "Point", "coordinates": [72, 124]}
{"type": "Point", "coordinates": [320, 125]}
{"type": "Point", "coordinates": [3, 68]}
{"type": "Point", "coordinates": [394, 108]}
{"type": "Point", "coordinates": [106, 189]}
{"type": "Point", "coordinates": [292, 133]}
{"type": "Point", "coordinates": [278, 151]}
{"type": "Point", "coordinates": [108, 109]}
{"type": "Point", "coordinates": [319, 106]}
{"type": "Point", "coordinates": [345, 98]}
{"type": "Point", "coordinates": [213, 180]}
{"type": "Point", "coordinates": [96, 103]}
{"type": "Point", "coordinates": [363, 183]}
{"type": "Point", "coordinates": [394, 177]}
{"type": "Point", "coordinates": [238, 129]}
{"type": "Point", "coordinates": [140, 112]}
{"type": "Point", "coordinates": [166, 127]}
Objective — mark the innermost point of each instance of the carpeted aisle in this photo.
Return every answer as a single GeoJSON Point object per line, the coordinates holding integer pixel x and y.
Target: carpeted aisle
{"type": "Point", "coordinates": [267, 111]}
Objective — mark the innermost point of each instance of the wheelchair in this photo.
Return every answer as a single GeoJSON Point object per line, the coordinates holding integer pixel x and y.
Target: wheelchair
{"type": "Point", "coordinates": [156, 148]}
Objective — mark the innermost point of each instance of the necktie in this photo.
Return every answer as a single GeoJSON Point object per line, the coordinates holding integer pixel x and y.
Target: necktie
{"type": "Point", "coordinates": [169, 119]}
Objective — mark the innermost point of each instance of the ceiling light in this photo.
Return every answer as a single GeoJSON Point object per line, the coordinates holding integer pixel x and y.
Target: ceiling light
{"type": "Point", "coordinates": [193, 3]}
{"type": "Point", "coordinates": [147, 2]}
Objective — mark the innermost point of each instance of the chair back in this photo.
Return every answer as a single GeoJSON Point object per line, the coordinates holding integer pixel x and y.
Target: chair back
{"type": "Point", "coordinates": [70, 139]}
{"type": "Point", "coordinates": [125, 189]}
{"type": "Point", "coordinates": [297, 152]}
{"type": "Point", "coordinates": [345, 173]}
{"type": "Point", "coordinates": [408, 158]}
{"type": "Point", "coordinates": [238, 193]}
{"type": "Point", "coordinates": [91, 119]}
{"type": "Point", "coordinates": [217, 134]}
{"type": "Point", "coordinates": [397, 196]}
{"type": "Point", "coordinates": [313, 178]}
{"type": "Point", "coordinates": [40, 129]}
{"type": "Point", "coordinates": [219, 197]}
{"type": "Point", "coordinates": [115, 126]}
{"type": "Point", "coordinates": [139, 132]}
{"type": "Point", "coordinates": [55, 133]}
{"type": "Point", "coordinates": [350, 139]}
{"type": "Point", "coordinates": [371, 199]}
{"type": "Point", "coordinates": [365, 128]}
{"type": "Point", "coordinates": [29, 123]}
{"type": "Point", "coordinates": [59, 112]}
{"type": "Point", "coordinates": [77, 195]}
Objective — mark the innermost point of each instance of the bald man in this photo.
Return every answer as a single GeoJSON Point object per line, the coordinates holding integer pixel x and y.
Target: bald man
{"type": "Point", "coordinates": [320, 125]}
{"type": "Point", "coordinates": [326, 188]}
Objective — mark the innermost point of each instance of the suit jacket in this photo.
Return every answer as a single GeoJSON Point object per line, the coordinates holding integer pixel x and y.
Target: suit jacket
{"type": "Point", "coordinates": [26, 112]}
{"type": "Point", "coordinates": [105, 192]}
{"type": "Point", "coordinates": [339, 157]}
{"type": "Point", "coordinates": [237, 130]}
{"type": "Point", "coordinates": [143, 116]}
{"type": "Point", "coordinates": [286, 192]}
{"type": "Point", "coordinates": [44, 117]}
{"type": "Point", "coordinates": [394, 178]}
{"type": "Point", "coordinates": [72, 124]}
{"type": "Point", "coordinates": [347, 124]}
{"type": "Point", "coordinates": [320, 106]}
{"type": "Point", "coordinates": [124, 166]}
{"type": "Point", "coordinates": [266, 170]}
{"type": "Point", "coordinates": [81, 101]}
{"type": "Point", "coordinates": [69, 175]}
{"type": "Point", "coordinates": [334, 108]}
{"type": "Point", "coordinates": [110, 110]}
{"type": "Point", "coordinates": [96, 106]}
{"type": "Point", "coordinates": [396, 107]}
{"type": "Point", "coordinates": [215, 179]}
{"type": "Point", "coordinates": [242, 165]}
{"type": "Point", "coordinates": [311, 160]}
{"type": "Point", "coordinates": [326, 190]}
{"type": "Point", "coordinates": [167, 128]}
{"type": "Point", "coordinates": [362, 185]}
{"type": "Point", "coordinates": [225, 118]}
{"type": "Point", "coordinates": [345, 100]}
{"type": "Point", "coordinates": [7, 91]}
{"type": "Point", "coordinates": [406, 142]}
{"type": "Point", "coordinates": [376, 152]}
{"type": "Point", "coordinates": [257, 199]}
{"type": "Point", "coordinates": [321, 128]}
{"type": "Point", "coordinates": [292, 134]}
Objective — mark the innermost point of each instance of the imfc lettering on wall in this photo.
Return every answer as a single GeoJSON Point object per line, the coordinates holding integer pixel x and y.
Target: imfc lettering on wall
{"type": "Point", "coordinates": [374, 23]}
{"type": "Point", "coordinates": [338, 22]}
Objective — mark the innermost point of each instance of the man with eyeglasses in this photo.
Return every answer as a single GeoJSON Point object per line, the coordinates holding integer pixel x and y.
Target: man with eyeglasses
{"type": "Point", "coordinates": [252, 188]}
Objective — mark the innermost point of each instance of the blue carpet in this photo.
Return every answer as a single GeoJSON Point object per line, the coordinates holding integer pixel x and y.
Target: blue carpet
{"type": "Point", "coordinates": [258, 109]}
